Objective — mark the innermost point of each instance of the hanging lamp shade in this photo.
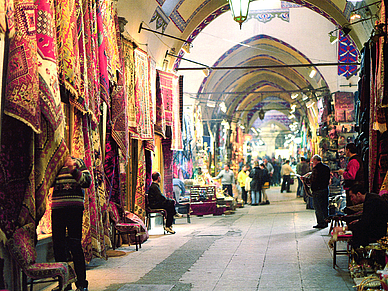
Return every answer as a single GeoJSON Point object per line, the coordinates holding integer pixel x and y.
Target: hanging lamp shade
{"type": "Point", "coordinates": [239, 10]}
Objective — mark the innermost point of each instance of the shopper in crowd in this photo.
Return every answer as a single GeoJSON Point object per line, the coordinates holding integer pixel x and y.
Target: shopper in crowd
{"type": "Point", "coordinates": [302, 168]}
{"type": "Point", "coordinates": [319, 181]}
{"type": "Point", "coordinates": [241, 164]}
{"type": "Point", "coordinates": [270, 170]}
{"type": "Point", "coordinates": [373, 223]}
{"type": "Point", "coordinates": [354, 172]}
{"type": "Point", "coordinates": [265, 184]}
{"type": "Point", "coordinates": [67, 214]}
{"type": "Point", "coordinates": [256, 184]}
{"type": "Point", "coordinates": [227, 180]}
{"type": "Point", "coordinates": [241, 178]}
{"type": "Point", "coordinates": [157, 200]}
{"type": "Point", "coordinates": [286, 174]}
{"type": "Point", "coordinates": [276, 172]}
{"type": "Point", "coordinates": [248, 185]}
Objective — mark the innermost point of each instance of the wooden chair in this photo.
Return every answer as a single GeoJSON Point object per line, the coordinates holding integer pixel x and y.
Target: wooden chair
{"type": "Point", "coordinates": [150, 210]}
{"type": "Point", "coordinates": [121, 226]}
{"type": "Point", "coordinates": [22, 250]}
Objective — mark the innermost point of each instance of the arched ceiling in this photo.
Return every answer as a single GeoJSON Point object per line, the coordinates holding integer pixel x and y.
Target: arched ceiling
{"type": "Point", "coordinates": [244, 92]}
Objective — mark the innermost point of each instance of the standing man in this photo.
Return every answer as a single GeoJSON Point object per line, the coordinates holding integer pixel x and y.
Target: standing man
{"type": "Point", "coordinates": [354, 172]}
{"type": "Point", "coordinates": [241, 178]}
{"type": "Point", "coordinates": [319, 181]}
{"type": "Point", "coordinates": [285, 172]}
{"type": "Point", "coordinates": [227, 179]}
{"type": "Point", "coordinates": [270, 170]}
{"type": "Point", "coordinates": [157, 200]}
{"type": "Point", "coordinates": [302, 168]}
{"type": "Point", "coordinates": [66, 215]}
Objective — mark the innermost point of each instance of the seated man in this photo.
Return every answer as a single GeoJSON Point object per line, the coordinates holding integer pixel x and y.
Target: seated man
{"type": "Point", "coordinates": [373, 223]}
{"type": "Point", "coordinates": [157, 200]}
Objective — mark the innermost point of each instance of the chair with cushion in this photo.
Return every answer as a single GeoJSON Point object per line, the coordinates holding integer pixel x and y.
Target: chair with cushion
{"type": "Point", "coordinates": [22, 250]}
{"type": "Point", "coordinates": [121, 225]}
{"type": "Point", "coordinates": [150, 211]}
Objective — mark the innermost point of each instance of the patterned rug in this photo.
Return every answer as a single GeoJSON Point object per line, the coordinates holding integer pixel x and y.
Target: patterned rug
{"type": "Point", "coordinates": [168, 169]}
{"type": "Point", "coordinates": [168, 89]}
{"type": "Point", "coordinates": [139, 209]}
{"type": "Point", "coordinates": [160, 115]}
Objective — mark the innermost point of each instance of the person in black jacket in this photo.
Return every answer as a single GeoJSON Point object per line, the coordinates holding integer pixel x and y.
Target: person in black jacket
{"type": "Point", "coordinates": [256, 184]}
{"type": "Point", "coordinates": [373, 223]}
{"type": "Point", "coordinates": [157, 200]}
{"type": "Point", "coordinates": [319, 181]}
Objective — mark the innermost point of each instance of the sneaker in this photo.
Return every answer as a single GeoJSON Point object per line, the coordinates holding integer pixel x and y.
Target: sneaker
{"type": "Point", "coordinates": [178, 215]}
{"type": "Point", "coordinates": [267, 202]}
{"type": "Point", "coordinates": [169, 230]}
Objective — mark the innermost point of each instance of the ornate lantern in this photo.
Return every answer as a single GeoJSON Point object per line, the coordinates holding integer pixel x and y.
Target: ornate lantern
{"type": "Point", "coordinates": [239, 10]}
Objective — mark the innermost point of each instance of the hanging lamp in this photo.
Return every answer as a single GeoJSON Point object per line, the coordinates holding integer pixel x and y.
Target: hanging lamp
{"type": "Point", "coordinates": [239, 10]}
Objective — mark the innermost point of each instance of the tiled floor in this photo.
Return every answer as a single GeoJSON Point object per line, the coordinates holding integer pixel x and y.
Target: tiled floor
{"type": "Point", "coordinates": [269, 247]}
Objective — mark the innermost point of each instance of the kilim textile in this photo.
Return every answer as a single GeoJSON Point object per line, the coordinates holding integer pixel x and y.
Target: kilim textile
{"type": "Point", "coordinates": [119, 109]}
{"type": "Point", "coordinates": [152, 66]}
{"type": "Point", "coordinates": [112, 168]}
{"type": "Point", "coordinates": [168, 90]}
{"type": "Point", "coordinates": [168, 169]}
{"type": "Point", "coordinates": [382, 47]}
{"type": "Point", "coordinates": [92, 80]}
{"type": "Point", "coordinates": [129, 71]}
{"type": "Point", "coordinates": [344, 106]}
{"type": "Point", "coordinates": [93, 233]}
{"type": "Point", "coordinates": [160, 116]}
{"type": "Point", "coordinates": [102, 51]}
{"type": "Point", "coordinates": [347, 53]}
{"type": "Point", "coordinates": [143, 97]}
{"type": "Point", "coordinates": [139, 208]}
{"type": "Point", "coordinates": [69, 62]}
{"type": "Point", "coordinates": [22, 97]}
{"type": "Point", "coordinates": [176, 127]}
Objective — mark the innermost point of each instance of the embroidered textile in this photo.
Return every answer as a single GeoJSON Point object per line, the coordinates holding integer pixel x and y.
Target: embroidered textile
{"type": "Point", "coordinates": [347, 53]}
{"type": "Point", "coordinates": [129, 71]}
{"type": "Point", "coordinates": [143, 97]}
{"type": "Point", "coordinates": [168, 91]}
{"type": "Point", "coordinates": [92, 81]}
{"type": "Point", "coordinates": [160, 116]}
{"type": "Point", "coordinates": [93, 233]}
{"type": "Point", "coordinates": [176, 127]}
{"type": "Point", "coordinates": [119, 110]}
{"type": "Point", "coordinates": [139, 208]}
{"type": "Point", "coordinates": [102, 52]}
{"type": "Point", "coordinates": [69, 62]}
{"type": "Point", "coordinates": [168, 173]}
{"type": "Point", "coordinates": [22, 83]}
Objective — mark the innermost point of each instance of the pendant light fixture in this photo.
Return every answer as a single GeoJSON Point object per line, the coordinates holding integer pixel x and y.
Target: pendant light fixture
{"type": "Point", "coordinates": [239, 10]}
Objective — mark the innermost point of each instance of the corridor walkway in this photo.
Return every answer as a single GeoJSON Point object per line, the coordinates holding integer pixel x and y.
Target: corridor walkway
{"type": "Point", "coordinates": [270, 247]}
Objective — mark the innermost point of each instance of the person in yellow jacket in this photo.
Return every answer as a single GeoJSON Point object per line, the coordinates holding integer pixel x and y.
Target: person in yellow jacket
{"type": "Point", "coordinates": [241, 178]}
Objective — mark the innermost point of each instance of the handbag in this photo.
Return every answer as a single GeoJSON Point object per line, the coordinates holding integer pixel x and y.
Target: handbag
{"type": "Point", "coordinates": [266, 185]}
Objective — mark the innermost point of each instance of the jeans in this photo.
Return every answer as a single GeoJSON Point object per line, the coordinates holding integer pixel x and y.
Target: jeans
{"type": "Point", "coordinates": [256, 197]}
{"type": "Point", "coordinates": [229, 189]}
{"type": "Point", "coordinates": [244, 195]}
{"type": "Point", "coordinates": [299, 192]}
{"type": "Point", "coordinates": [70, 219]}
{"type": "Point", "coordinates": [285, 183]}
{"type": "Point", "coordinates": [321, 205]}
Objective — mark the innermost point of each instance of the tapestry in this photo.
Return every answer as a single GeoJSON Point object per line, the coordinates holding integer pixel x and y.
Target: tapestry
{"type": "Point", "coordinates": [344, 106]}
{"type": "Point", "coordinates": [108, 32]}
{"type": "Point", "coordinates": [92, 81]}
{"type": "Point", "coordinates": [92, 229]}
{"type": "Point", "coordinates": [168, 90]}
{"type": "Point", "coordinates": [22, 83]}
{"type": "Point", "coordinates": [148, 169]}
{"type": "Point", "coordinates": [102, 53]}
{"type": "Point", "coordinates": [119, 109]}
{"type": "Point", "coordinates": [16, 162]}
{"type": "Point", "coordinates": [176, 127]}
{"type": "Point", "coordinates": [129, 76]}
{"type": "Point", "coordinates": [168, 169]}
{"type": "Point", "coordinates": [68, 59]}
{"type": "Point", "coordinates": [152, 66]}
{"type": "Point", "coordinates": [382, 50]}
{"type": "Point", "coordinates": [347, 53]}
{"type": "Point", "coordinates": [139, 208]}
{"type": "Point", "coordinates": [49, 91]}
{"type": "Point", "coordinates": [160, 117]}
{"type": "Point", "coordinates": [143, 97]}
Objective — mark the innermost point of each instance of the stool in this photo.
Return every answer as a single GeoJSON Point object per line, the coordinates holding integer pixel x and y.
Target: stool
{"type": "Point", "coordinates": [341, 238]}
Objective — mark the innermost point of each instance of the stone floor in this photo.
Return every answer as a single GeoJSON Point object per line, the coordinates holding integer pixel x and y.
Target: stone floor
{"type": "Point", "coordinates": [269, 247]}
